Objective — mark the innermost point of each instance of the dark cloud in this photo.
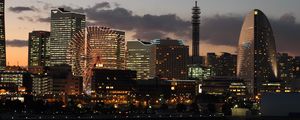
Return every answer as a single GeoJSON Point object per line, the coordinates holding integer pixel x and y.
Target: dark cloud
{"type": "Point", "coordinates": [20, 9]}
{"type": "Point", "coordinates": [148, 35]}
{"type": "Point", "coordinates": [44, 19]}
{"type": "Point", "coordinates": [16, 43]}
{"type": "Point", "coordinates": [27, 18]}
{"type": "Point", "coordinates": [217, 29]}
{"type": "Point", "coordinates": [145, 26]}
{"type": "Point", "coordinates": [221, 29]}
{"type": "Point", "coordinates": [286, 32]}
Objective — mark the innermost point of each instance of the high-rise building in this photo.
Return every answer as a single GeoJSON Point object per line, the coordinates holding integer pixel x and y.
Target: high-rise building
{"type": "Point", "coordinates": [211, 62]}
{"type": "Point", "coordinates": [171, 59]}
{"type": "Point", "coordinates": [221, 65]}
{"type": "Point", "coordinates": [196, 59]}
{"type": "Point", "coordinates": [2, 36]}
{"type": "Point", "coordinates": [297, 67]}
{"type": "Point", "coordinates": [256, 61]}
{"type": "Point", "coordinates": [226, 65]}
{"type": "Point", "coordinates": [64, 25]}
{"type": "Point", "coordinates": [38, 48]}
{"type": "Point", "coordinates": [285, 66]}
{"type": "Point", "coordinates": [140, 57]}
{"type": "Point", "coordinates": [107, 45]}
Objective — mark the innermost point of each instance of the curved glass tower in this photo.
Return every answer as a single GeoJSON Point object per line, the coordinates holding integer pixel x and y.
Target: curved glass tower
{"type": "Point", "coordinates": [256, 52]}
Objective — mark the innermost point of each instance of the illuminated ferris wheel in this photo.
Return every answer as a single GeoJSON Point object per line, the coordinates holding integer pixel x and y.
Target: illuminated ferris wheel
{"type": "Point", "coordinates": [89, 49]}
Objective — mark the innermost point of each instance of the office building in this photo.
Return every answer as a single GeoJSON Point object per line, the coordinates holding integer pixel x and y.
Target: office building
{"type": "Point", "coordinates": [285, 66]}
{"type": "Point", "coordinates": [38, 48]}
{"type": "Point", "coordinates": [226, 65]}
{"type": "Point", "coordinates": [297, 67]}
{"type": "Point", "coordinates": [64, 25]}
{"type": "Point", "coordinates": [63, 81]}
{"type": "Point", "coordinates": [224, 86]}
{"type": "Point", "coordinates": [211, 62]}
{"type": "Point", "coordinates": [199, 72]}
{"type": "Point", "coordinates": [2, 36]}
{"type": "Point", "coordinates": [112, 86]}
{"type": "Point", "coordinates": [256, 62]}
{"type": "Point", "coordinates": [171, 57]}
{"type": "Point", "coordinates": [221, 65]}
{"type": "Point", "coordinates": [18, 76]}
{"type": "Point", "coordinates": [140, 57]}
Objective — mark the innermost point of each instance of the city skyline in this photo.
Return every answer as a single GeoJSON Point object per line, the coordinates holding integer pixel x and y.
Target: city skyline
{"type": "Point", "coordinates": [118, 59]}
{"type": "Point", "coordinates": [212, 35]}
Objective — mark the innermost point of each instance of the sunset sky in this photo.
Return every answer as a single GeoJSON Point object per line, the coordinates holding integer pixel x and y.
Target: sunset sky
{"type": "Point", "coordinates": [221, 21]}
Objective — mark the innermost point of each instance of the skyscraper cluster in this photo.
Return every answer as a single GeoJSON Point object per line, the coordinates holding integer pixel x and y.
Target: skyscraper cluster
{"type": "Point", "coordinates": [86, 48]}
{"type": "Point", "coordinates": [2, 36]}
{"type": "Point", "coordinates": [73, 58]}
{"type": "Point", "coordinates": [94, 69]}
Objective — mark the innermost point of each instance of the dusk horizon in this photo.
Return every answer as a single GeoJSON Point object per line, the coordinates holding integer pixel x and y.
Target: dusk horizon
{"type": "Point", "coordinates": [219, 29]}
{"type": "Point", "coordinates": [155, 60]}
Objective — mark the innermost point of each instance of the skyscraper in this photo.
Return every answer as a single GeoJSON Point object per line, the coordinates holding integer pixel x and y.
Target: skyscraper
{"type": "Point", "coordinates": [38, 49]}
{"type": "Point", "coordinates": [107, 45]}
{"type": "Point", "coordinates": [285, 66]}
{"type": "Point", "coordinates": [226, 65]}
{"type": "Point", "coordinates": [140, 57]}
{"type": "Point", "coordinates": [171, 59]}
{"type": "Point", "coordinates": [196, 59]}
{"type": "Point", "coordinates": [256, 61]}
{"type": "Point", "coordinates": [211, 62]}
{"type": "Point", "coordinates": [2, 36]}
{"type": "Point", "coordinates": [64, 24]}
{"type": "Point", "coordinates": [297, 67]}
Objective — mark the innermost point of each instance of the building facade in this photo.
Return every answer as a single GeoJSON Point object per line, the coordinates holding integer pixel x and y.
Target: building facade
{"type": "Point", "coordinates": [297, 67]}
{"type": "Point", "coordinates": [256, 62]}
{"type": "Point", "coordinates": [113, 86]}
{"type": "Point", "coordinates": [18, 76]}
{"type": "Point", "coordinates": [140, 57]}
{"type": "Point", "coordinates": [171, 57]}
{"type": "Point", "coordinates": [38, 48]}
{"type": "Point", "coordinates": [63, 81]}
{"type": "Point", "coordinates": [226, 65]}
{"type": "Point", "coordinates": [285, 66]}
{"type": "Point", "coordinates": [64, 24]}
{"type": "Point", "coordinates": [2, 36]}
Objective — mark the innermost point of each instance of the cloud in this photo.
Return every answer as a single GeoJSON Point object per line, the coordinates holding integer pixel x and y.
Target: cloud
{"type": "Point", "coordinates": [44, 19]}
{"type": "Point", "coordinates": [145, 25]}
{"type": "Point", "coordinates": [20, 9]}
{"type": "Point", "coordinates": [286, 33]}
{"type": "Point", "coordinates": [219, 29]}
{"type": "Point", "coordinates": [30, 19]}
{"type": "Point", "coordinates": [16, 43]}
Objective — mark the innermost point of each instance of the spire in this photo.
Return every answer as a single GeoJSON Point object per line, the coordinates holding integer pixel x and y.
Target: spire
{"type": "Point", "coordinates": [195, 3]}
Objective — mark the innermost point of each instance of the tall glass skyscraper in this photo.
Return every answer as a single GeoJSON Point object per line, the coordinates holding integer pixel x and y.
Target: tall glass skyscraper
{"type": "Point", "coordinates": [171, 57]}
{"type": "Point", "coordinates": [64, 25]}
{"type": "Point", "coordinates": [256, 61]}
{"type": "Point", "coordinates": [140, 57]}
{"type": "Point", "coordinates": [2, 35]}
{"type": "Point", "coordinates": [38, 48]}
